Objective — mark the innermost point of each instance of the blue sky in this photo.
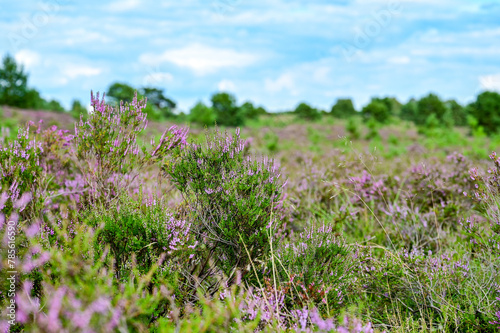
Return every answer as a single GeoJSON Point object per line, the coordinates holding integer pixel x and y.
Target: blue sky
{"type": "Point", "coordinates": [275, 53]}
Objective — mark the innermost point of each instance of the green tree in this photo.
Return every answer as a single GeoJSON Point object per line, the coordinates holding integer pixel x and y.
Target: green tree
{"type": "Point", "coordinates": [121, 92]}
{"type": "Point", "coordinates": [77, 110]}
{"type": "Point", "coordinates": [457, 112]}
{"type": "Point", "coordinates": [409, 110]}
{"type": "Point", "coordinates": [252, 112]}
{"type": "Point", "coordinates": [227, 113]}
{"type": "Point", "coordinates": [343, 109]}
{"type": "Point", "coordinates": [202, 114]}
{"type": "Point", "coordinates": [392, 104]}
{"type": "Point", "coordinates": [486, 110]}
{"type": "Point", "coordinates": [307, 112]}
{"type": "Point", "coordinates": [157, 98]}
{"type": "Point", "coordinates": [430, 104]}
{"type": "Point", "coordinates": [13, 82]}
{"type": "Point", "coordinates": [33, 100]}
{"type": "Point", "coordinates": [54, 105]}
{"type": "Point", "coordinates": [376, 110]}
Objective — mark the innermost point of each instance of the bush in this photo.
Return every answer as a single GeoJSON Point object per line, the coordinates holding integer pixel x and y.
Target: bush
{"type": "Point", "coordinates": [202, 114]}
{"type": "Point", "coordinates": [376, 110]}
{"type": "Point", "coordinates": [231, 198]}
{"type": "Point", "coordinates": [226, 111]}
{"type": "Point", "coordinates": [343, 109]}
{"type": "Point", "coordinates": [486, 109]}
{"type": "Point", "coordinates": [143, 231]}
{"type": "Point", "coordinates": [314, 268]}
{"type": "Point", "coordinates": [305, 111]}
{"type": "Point", "coordinates": [352, 127]}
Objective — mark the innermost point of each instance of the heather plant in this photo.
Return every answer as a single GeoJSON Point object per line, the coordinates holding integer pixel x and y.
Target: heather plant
{"type": "Point", "coordinates": [107, 147]}
{"type": "Point", "coordinates": [446, 291]}
{"type": "Point", "coordinates": [486, 193]}
{"type": "Point", "coordinates": [230, 198]}
{"type": "Point", "coordinates": [314, 267]}
{"type": "Point", "coordinates": [35, 164]}
{"type": "Point", "coordinates": [77, 289]}
{"type": "Point", "coordinates": [141, 231]}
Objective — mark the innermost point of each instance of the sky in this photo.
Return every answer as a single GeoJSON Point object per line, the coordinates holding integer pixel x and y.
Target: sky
{"type": "Point", "coordinates": [274, 53]}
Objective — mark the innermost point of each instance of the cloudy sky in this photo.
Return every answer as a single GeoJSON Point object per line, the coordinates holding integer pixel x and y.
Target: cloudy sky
{"type": "Point", "coordinates": [275, 53]}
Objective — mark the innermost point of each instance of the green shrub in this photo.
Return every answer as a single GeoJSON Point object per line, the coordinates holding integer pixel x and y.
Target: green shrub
{"type": "Point", "coordinates": [231, 198]}
{"type": "Point", "coordinates": [202, 114]}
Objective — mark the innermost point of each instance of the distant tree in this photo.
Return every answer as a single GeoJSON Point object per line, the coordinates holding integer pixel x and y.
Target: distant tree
{"type": "Point", "coordinates": [260, 111]}
{"type": "Point", "coordinates": [121, 92]}
{"type": "Point", "coordinates": [343, 109]}
{"type": "Point", "coordinates": [157, 98]}
{"type": "Point", "coordinates": [430, 104]}
{"type": "Point", "coordinates": [54, 105]}
{"type": "Point", "coordinates": [392, 104]}
{"type": "Point", "coordinates": [77, 110]}
{"type": "Point", "coordinates": [33, 100]}
{"type": "Point", "coordinates": [250, 111]}
{"type": "Point", "coordinates": [226, 111]}
{"type": "Point", "coordinates": [486, 111]}
{"type": "Point", "coordinates": [202, 114]}
{"type": "Point", "coordinates": [307, 112]}
{"type": "Point", "coordinates": [13, 82]}
{"type": "Point", "coordinates": [457, 111]}
{"type": "Point", "coordinates": [409, 110]}
{"type": "Point", "coordinates": [376, 110]}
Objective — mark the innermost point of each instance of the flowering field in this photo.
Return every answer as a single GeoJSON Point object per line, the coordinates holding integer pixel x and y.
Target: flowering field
{"type": "Point", "coordinates": [284, 225]}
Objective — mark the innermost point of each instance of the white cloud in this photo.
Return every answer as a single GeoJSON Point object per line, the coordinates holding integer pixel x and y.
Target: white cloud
{"type": "Point", "coordinates": [202, 59]}
{"type": "Point", "coordinates": [28, 58]}
{"type": "Point", "coordinates": [226, 85]}
{"type": "Point", "coordinates": [157, 78]}
{"type": "Point", "coordinates": [123, 5]}
{"type": "Point", "coordinates": [490, 82]}
{"type": "Point", "coordinates": [283, 82]}
{"type": "Point", "coordinates": [401, 60]}
{"type": "Point", "coordinates": [74, 71]}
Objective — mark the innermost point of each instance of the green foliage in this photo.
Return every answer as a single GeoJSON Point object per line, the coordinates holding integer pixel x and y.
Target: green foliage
{"type": "Point", "coordinates": [427, 106]}
{"type": "Point", "coordinates": [307, 112]}
{"type": "Point", "coordinates": [54, 105]}
{"type": "Point", "coordinates": [121, 92]}
{"type": "Point", "coordinates": [78, 110]}
{"type": "Point", "coordinates": [202, 114]}
{"type": "Point", "coordinates": [409, 111]}
{"type": "Point", "coordinates": [486, 110]}
{"type": "Point", "coordinates": [159, 106]}
{"type": "Point", "coordinates": [448, 119]}
{"type": "Point", "coordinates": [343, 109]}
{"type": "Point", "coordinates": [13, 82]}
{"type": "Point", "coordinates": [353, 128]}
{"type": "Point", "coordinates": [373, 126]}
{"type": "Point", "coordinates": [226, 111]}
{"type": "Point", "coordinates": [377, 110]}
{"type": "Point", "coordinates": [316, 265]}
{"type": "Point", "coordinates": [231, 200]}
{"type": "Point", "coordinates": [252, 112]}
{"type": "Point", "coordinates": [458, 113]}
{"type": "Point", "coordinates": [132, 229]}
{"type": "Point", "coordinates": [157, 98]}
{"type": "Point", "coordinates": [271, 141]}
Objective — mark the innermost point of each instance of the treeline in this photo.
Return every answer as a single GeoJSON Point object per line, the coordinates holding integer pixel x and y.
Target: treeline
{"type": "Point", "coordinates": [482, 116]}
